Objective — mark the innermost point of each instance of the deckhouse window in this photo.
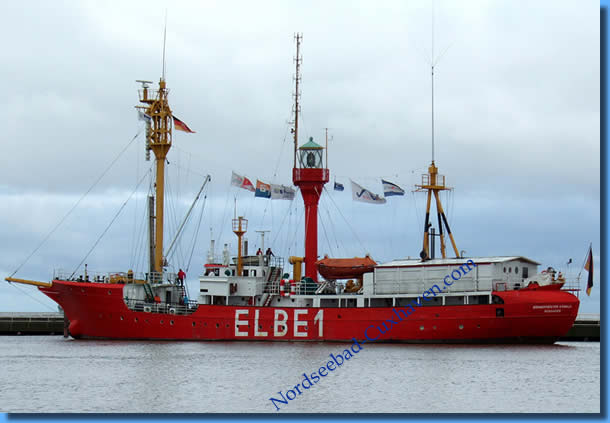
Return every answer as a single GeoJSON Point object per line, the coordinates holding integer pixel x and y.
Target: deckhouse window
{"type": "Point", "coordinates": [525, 273]}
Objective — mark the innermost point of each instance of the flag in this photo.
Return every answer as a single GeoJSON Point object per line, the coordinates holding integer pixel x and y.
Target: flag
{"type": "Point", "coordinates": [143, 116]}
{"type": "Point", "coordinates": [277, 192]}
{"type": "Point", "coordinates": [391, 189]}
{"type": "Point", "coordinates": [289, 193]}
{"type": "Point", "coordinates": [281, 192]}
{"type": "Point", "coordinates": [263, 190]}
{"type": "Point", "coordinates": [181, 126]}
{"type": "Point", "coordinates": [364, 195]}
{"type": "Point", "coordinates": [339, 187]}
{"type": "Point", "coordinates": [242, 182]}
{"type": "Point", "coordinates": [589, 268]}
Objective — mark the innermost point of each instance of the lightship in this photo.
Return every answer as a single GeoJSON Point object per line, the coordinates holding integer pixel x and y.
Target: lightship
{"type": "Point", "coordinates": [251, 298]}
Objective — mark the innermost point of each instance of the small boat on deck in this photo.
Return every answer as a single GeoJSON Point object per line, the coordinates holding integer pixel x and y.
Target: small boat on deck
{"type": "Point", "coordinates": [345, 268]}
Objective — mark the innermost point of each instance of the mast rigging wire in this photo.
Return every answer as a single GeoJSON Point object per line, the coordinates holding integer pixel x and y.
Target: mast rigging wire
{"type": "Point", "coordinates": [346, 221]}
{"type": "Point", "coordinates": [196, 235]}
{"type": "Point", "coordinates": [32, 297]}
{"type": "Point", "coordinates": [77, 203]}
{"type": "Point", "coordinates": [110, 224]}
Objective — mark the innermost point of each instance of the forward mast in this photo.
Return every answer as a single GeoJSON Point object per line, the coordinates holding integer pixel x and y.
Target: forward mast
{"type": "Point", "coordinates": [159, 140]}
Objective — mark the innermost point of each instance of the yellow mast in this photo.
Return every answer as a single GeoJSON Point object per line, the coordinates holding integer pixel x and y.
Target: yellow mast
{"type": "Point", "coordinates": [160, 141]}
{"type": "Point", "coordinates": [433, 183]}
{"type": "Point", "coordinates": [240, 227]}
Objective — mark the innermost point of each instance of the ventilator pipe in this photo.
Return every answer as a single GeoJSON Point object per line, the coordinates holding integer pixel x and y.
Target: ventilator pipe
{"type": "Point", "coordinates": [296, 269]}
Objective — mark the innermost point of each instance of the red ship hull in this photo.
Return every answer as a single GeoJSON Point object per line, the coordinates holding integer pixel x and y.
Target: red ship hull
{"type": "Point", "coordinates": [97, 310]}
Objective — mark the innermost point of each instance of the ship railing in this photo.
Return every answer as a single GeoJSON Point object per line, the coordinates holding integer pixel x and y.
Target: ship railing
{"type": "Point", "coordinates": [161, 277]}
{"type": "Point", "coordinates": [116, 277]}
{"type": "Point", "coordinates": [426, 179]}
{"type": "Point", "coordinates": [300, 287]}
{"type": "Point", "coordinates": [572, 285]}
{"type": "Point", "coordinates": [163, 308]}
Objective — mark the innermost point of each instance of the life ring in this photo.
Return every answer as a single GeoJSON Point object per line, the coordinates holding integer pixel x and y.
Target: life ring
{"type": "Point", "coordinates": [283, 291]}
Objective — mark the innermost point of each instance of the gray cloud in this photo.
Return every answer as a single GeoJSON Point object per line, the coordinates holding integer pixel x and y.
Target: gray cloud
{"type": "Point", "coordinates": [517, 122]}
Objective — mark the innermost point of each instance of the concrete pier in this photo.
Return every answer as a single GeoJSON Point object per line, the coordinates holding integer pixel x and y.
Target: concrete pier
{"type": "Point", "coordinates": [31, 323]}
{"type": "Point", "coordinates": [586, 327]}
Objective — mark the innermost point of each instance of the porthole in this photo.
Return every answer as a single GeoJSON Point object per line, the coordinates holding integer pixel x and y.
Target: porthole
{"type": "Point", "coordinates": [505, 270]}
{"type": "Point", "coordinates": [122, 318]}
{"type": "Point", "coordinates": [135, 319]}
{"type": "Point", "coordinates": [434, 327]}
{"type": "Point", "coordinates": [161, 322]}
{"type": "Point", "coordinates": [510, 269]}
{"type": "Point", "coordinates": [193, 324]}
{"type": "Point", "coordinates": [217, 325]}
{"type": "Point", "coordinates": [421, 328]}
{"type": "Point", "coordinates": [461, 327]}
{"type": "Point", "coordinates": [338, 316]}
{"type": "Point", "coordinates": [171, 322]}
{"type": "Point", "coordinates": [109, 292]}
{"type": "Point", "coordinates": [227, 325]}
{"type": "Point", "coordinates": [516, 270]}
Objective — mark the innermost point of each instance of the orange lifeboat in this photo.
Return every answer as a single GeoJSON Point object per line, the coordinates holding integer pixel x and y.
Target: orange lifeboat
{"type": "Point", "coordinates": [345, 268]}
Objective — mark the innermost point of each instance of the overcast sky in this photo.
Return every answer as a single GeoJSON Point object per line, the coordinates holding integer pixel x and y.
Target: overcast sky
{"type": "Point", "coordinates": [517, 119]}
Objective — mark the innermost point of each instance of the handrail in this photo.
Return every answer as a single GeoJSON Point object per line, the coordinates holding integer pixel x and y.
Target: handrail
{"type": "Point", "coordinates": [118, 277]}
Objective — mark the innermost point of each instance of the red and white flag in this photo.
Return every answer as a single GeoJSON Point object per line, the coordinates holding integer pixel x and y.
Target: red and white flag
{"type": "Point", "coordinates": [242, 182]}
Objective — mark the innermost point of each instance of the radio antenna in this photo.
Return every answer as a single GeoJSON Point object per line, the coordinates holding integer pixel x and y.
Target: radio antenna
{"type": "Point", "coordinates": [432, 69]}
{"type": "Point", "coordinates": [164, 38]}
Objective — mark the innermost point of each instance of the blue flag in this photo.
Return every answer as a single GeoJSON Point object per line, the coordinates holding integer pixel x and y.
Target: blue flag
{"type": "Point", "coordinates": [339, 187]}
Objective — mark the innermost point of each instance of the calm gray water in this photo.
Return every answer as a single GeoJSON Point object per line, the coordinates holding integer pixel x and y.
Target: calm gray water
{"type": "Point", "coordinates": [53, 374]}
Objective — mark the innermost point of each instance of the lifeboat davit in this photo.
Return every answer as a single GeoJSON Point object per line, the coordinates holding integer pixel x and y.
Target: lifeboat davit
{"type": "Point", "coordinates": [345, 268]}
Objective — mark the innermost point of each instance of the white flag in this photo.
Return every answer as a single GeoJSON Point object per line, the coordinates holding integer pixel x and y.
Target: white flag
{"type": "Point", "coordinates": [143, 116]}
{"type": "Point", "coordinates": [281, 192]}
{"type": "Point", "coordinates": [364, 195]}
{"type": "Point", "coordinates": [288, 193]}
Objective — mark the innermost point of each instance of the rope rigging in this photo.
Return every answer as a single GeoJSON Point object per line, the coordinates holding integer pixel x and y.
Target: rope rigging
{"type": "Point", "coordinates": [77, 203]}
{"type": "Point", "coordinates": [109, 225]}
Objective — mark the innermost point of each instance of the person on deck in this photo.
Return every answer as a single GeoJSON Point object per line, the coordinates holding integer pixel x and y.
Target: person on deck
{"type": "Point", "coordinates": [269, 252]}
{"type": "Point", "coordinates": [181, 276]}
{"type": "Point", "coordinates": [259, 252]}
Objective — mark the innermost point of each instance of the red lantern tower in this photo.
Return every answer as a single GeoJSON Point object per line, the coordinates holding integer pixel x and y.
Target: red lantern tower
{"type": "Point", "coordinates": [310, 175]}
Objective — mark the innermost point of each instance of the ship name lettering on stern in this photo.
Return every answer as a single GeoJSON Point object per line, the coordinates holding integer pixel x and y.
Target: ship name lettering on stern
{"type": "Point", "coordinates": [301, 323]}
